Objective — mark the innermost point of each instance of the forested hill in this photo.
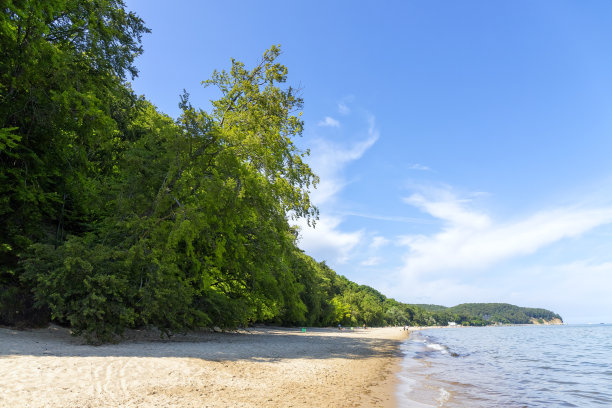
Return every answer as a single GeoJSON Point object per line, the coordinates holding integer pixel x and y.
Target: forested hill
{"type": "Point", "coordinates": [431, 308]}
{"type": "Point", "coordinates": [505, 313]}
{"type": "Point", "coordinates": [497, 312]}
{"type": "Point", "coordinates": [114, 215]}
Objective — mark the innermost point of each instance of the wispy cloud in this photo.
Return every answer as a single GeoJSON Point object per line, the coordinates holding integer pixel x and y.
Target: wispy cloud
{"type": "Point", "coordinates": [417, 166]}
{"type": "Point", "coordinates": [329, 241]}
{"type": "Point", "coordinates": [371, 261]}
{"type": "Point", "coordinates": [343, 108]}
{"type": "Point", "coordinates": [450, 209]}
{"type": "Point", "coordinates": [470, 239]}
{"type": "Point", "coordinates": [329, 122]}
{"type": "Point", "coordinates": [329, 159]}
{"type": "Point", "coordinates": [378, 242]}
{"type": "Point", "coordinates": [390, 218]}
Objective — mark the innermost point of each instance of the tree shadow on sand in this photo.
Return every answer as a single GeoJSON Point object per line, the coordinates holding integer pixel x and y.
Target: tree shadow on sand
{"type": "Point", "coordinates": [260, 344]}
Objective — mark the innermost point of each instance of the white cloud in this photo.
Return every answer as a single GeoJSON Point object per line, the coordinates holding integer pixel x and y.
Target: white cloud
{"type": "Point", "coordinates": [378, 242]}
{"type": "Point", "coordinates": [417, 166]}
{"type": "Point", "coordinates": [392, 218]}
{"type": "Point", "coordinates": [470, 240]}
{"type": "Point", "coordinates": [450, 209]}
{"type": "Point", "coordinates": [371, 261]}
{"type": "Point", "coordinates": [343, 109]}
{"type": "Point", "coordinates": [329, 159]}
{"type": "Point", "coordinates": [327, 242]}
{"type": "Point", "coordinates": [329, 122]}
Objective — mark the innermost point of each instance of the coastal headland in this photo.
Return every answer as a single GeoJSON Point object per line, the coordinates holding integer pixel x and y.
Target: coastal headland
{"type": "Point", "coordinates": [258, 367]}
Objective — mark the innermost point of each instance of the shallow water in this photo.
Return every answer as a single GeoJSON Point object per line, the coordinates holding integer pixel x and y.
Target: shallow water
{"type": "Point", "coordinates": [513, 366]}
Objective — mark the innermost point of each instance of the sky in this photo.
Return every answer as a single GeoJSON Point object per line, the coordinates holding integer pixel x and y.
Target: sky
{"type": "Point", "coordinates": [463, 148]}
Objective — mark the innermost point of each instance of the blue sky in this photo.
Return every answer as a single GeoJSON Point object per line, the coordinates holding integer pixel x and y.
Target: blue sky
{"type": "Point", "coordinates": [463, 147]}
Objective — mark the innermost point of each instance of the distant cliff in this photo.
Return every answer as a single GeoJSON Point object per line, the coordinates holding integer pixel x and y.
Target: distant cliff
{"type": "Point", "coordinates": [546, 322]}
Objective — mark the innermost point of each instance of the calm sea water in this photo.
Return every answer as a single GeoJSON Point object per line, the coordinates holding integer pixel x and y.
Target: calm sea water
{"type": "Point", "coordinates": [520, 366]}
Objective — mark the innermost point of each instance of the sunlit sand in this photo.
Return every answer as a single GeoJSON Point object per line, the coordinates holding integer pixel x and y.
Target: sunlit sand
{"type": "Point", "coordinates": [261, 367]}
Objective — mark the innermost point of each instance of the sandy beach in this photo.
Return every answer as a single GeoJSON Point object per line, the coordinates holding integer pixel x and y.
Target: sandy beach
{"type": "Point", "coordinates": [259, 367]}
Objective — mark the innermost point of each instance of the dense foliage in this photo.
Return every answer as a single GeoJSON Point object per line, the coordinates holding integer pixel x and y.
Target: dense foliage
{"type": "Point", "coordinates": [505, 313]}
{"type": "Point", "coordinates": [113, 215]}
{"type": "Point", "coordinates": [63, 109]}
{"type": "Point", "coordinates": [491, 313]}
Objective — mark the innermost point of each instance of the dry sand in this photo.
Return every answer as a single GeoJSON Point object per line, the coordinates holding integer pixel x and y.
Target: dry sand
{"type": "Point", "coordinates": [261, 367]}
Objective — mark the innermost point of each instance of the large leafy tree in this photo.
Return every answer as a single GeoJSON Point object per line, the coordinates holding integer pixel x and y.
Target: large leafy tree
{"type": "Point", "coordinates": [198, 227]}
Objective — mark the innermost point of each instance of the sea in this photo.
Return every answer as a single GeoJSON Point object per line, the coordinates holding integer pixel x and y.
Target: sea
{"type": "Point", "coordinates": [507, 366]}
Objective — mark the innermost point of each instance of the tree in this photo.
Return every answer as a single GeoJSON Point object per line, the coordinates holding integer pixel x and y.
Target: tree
{"type": "Point", "coordinates": [62, 68]}
{"type": "Point", "coordinates": [198, 222]}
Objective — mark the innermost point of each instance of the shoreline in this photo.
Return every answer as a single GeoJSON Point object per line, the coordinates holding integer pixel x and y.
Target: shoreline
{"type": "Point", "coordinates": [271, 367]}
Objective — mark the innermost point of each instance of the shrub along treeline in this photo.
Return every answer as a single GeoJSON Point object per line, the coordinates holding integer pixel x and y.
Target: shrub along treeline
{"type": "Point", "coordinates": [113, 215]}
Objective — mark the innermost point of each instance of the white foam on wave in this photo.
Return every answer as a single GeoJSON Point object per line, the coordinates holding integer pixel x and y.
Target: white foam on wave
{"type": "Point", "coordinates": [437, 347]}
{"type": "Point", "coordinates": [429, 343]}
{"type": "Point", "coordinates": [443, 397]}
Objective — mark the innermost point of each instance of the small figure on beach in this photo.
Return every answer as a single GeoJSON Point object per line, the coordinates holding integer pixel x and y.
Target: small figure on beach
{"type": "Point", "coordinates": [339, 326]}
{"type": "Point", "coordinates": [364, 326]}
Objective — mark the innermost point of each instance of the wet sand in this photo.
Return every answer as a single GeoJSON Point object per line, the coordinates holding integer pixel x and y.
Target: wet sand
{"type": "Point", "coordinates": [260, 367]}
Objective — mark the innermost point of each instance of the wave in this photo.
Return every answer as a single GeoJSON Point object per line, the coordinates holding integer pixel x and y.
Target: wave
{"type": "Point", "coordinates": [431, 346]}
